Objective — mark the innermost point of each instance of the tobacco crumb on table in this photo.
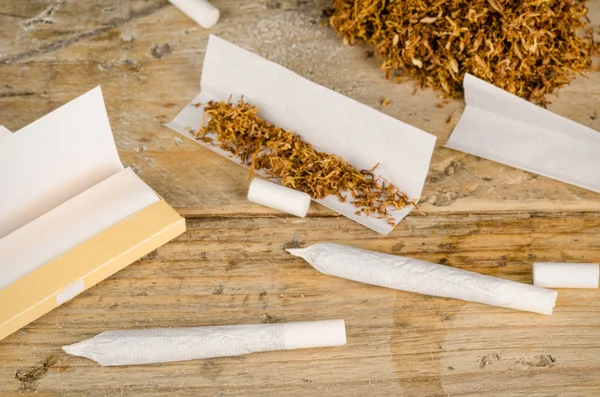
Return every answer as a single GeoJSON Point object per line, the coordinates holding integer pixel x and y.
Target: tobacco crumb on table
{"type": "Point", "coordinates": [451, 117]}
{"type": "Point", "coordinates": [488, 360]}
{"type": "Point", "coordinates": [29, 377]}
{"type": "Point", "coordinates": [159, 51]}
{"type": "Point", "coordinates": [294, 242]}
{"type": "Point", "coordinates": [267, 319]}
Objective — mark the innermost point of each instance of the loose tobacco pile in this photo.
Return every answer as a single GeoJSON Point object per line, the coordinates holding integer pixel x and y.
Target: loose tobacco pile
{"type": "Point", "coordinates": [527, 47]}
{"type": "Point", "coordinates": [283, 154]}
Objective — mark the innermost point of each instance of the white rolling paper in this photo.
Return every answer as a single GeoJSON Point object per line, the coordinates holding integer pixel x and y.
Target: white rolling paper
{"type": "Point", "coordinates": [279, 197]}
{"type": "Point", "coordinates": [565, 275]}
{"type": "Point", "coordinates": [412, 275]}
{"type": "Point", "coordinates": [502, 127]}
{"type": "Point", "coordinates": [201, 11]}
{"type": "Point", "coordinates": [4, 132]}
{"type": "Point", "coordinates": [329, 121]}
{"type": "Point", "coordinates": [71, 223]}
{"type": "Point", "coordinates": [160, 345]}
{"type": "Point", "coordinates": [51, 160]}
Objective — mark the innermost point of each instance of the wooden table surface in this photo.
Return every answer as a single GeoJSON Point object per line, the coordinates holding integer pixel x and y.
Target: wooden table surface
{"type": "Point", "coordinates": [230, 267]}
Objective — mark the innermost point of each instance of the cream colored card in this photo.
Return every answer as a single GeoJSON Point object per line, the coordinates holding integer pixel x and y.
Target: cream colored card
{"type": "Point", "coordinates": [70, 214]}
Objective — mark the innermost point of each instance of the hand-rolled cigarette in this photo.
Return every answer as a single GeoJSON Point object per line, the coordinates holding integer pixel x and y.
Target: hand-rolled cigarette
{"type": "Point", "coordinates": [161, 345]}
{"type": "Point", "coordinates": [279, 197]}
{"type": "Point", "coordinates": [412, 275]}
{"type": "Point", "coordinates": [201, 11]}
{"type": "Point", "coordinates": [565, 275]}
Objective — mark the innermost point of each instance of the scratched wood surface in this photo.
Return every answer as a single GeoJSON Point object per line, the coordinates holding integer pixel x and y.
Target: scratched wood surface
{"type": "Point", "coordinates": [231, 268]}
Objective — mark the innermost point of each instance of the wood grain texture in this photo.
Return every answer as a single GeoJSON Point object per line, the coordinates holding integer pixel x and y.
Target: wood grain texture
{"type": "Point", "coordinates": [230, 267]}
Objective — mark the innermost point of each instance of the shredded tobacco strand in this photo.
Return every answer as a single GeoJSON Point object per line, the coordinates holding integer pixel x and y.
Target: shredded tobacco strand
{"type": "Point", "coordinates": [529, 48]}
{"type": "Point", "coordinates": [282, 154]}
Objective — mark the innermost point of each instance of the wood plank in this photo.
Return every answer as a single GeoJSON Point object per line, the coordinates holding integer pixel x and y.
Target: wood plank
{"type": "Point", "coordinates": [235, 271]}
{"type": "Point", "coordinates": [149, 63]}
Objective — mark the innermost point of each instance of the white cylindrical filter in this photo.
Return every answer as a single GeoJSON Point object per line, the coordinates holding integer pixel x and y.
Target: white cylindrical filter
{"type": "Point", "coordinates": [566, 275]}
{"type": "Point", "coordinates": [161, 345]}
{"type": "Point", "coordinates": [201, 11]}
{"type": "Point", "coordinates": [413, 275]}
{"type": "Point", "coordinates": [307, 334]}
{"type": "Point", "coordinates": [279, 197]}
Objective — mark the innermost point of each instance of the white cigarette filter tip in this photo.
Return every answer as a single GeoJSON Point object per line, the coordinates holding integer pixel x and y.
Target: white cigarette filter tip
{"type": "Point", "coordinates": [201, 11]}
{"type": "Point", "coordinates": [566, 275]}
{"type": "Point", "coordinates": [413, 275]}
{"type": "Point", "coordinates": [161, 345]}
{"type": "Point", "coordinates": [307, 334]}
{"type": "Point", "coordinates": [279, 197]}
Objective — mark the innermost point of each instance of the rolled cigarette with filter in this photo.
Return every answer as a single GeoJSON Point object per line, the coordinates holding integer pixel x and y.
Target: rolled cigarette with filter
{"type": "Point", "coordinates": [201, 11]}
{"type": "Point", "coordinates": [161, 345]}
{"type": "Point", "coordinates": [566, 275]}
{"type": "Point", "coordinates": [413, 275]}
{"type": "Point", "coordinates": [279, 197]}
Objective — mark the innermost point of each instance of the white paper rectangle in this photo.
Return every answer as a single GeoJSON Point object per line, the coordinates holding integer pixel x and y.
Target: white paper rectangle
{"type": "Point", "coordinates": [4, 132]}
{"type": "Point", "coordinates": [502, 127]}
{"type": "Point", "coordinates": [160, 345]}
{"type": "Point", "coordinates": [72, 223]}
{"type": "Point", "coordinates": [327, 120]}
{"type": "Point", "coordinates": [54, 159]}
{"type": "Point", "coordinates": [70, 292]}
{"type": "Point", "coordinates": [413, 275]}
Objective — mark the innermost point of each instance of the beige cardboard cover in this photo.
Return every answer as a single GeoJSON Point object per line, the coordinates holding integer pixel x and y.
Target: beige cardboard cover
{"type": "Point", "coordinates": [70, 214]}
{"type": "Point", "coordinates": [37, 293]}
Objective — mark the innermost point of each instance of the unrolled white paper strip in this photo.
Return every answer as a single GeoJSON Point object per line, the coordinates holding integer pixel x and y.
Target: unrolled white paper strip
{"type": "Point", "coordinates": [54, 159]}
{"type": "Point", "coordinates": [412, 275]}
{"type": "Point", "coordinates": [147, 346]}
{"type": "Point", "coordinates": [502, 127]}
{"type": "Point", "coordinates": [279, 197]}
{"type": "Point", "coordinates": [4, 132]}
{"type": "Point", "coordinates": [327, 120]}
{"type": "Point", "coordinates": [566, 275]}
{"type": "Point", "coordinates": [201, 11]}
{"type": "Point", "coordinates": [72, 223]}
